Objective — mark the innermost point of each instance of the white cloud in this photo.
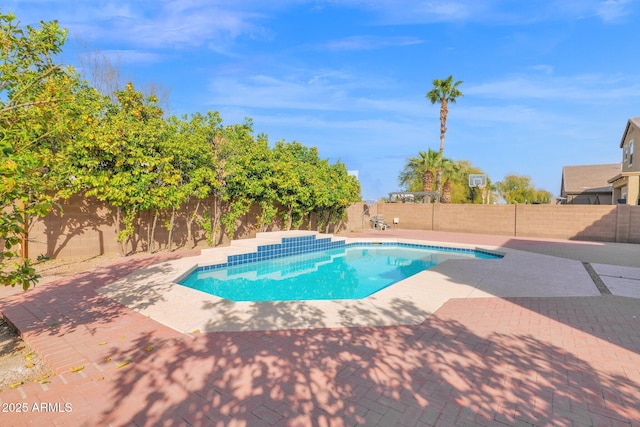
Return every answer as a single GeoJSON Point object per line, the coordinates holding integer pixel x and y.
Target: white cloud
{"type": "Point", "coordinates": [127, 57]}
{"type": "Point", "coordinates": [332, 90]}
{"type": "Point", "coordinates": [370, 43]}
{"type": "Point", "coordinates": [489, 11]}
{"type": "Point", "coordinates": [158, 24]}
{"type": "Point", "coordinates": [195, 23]}
{"type": "Point", "coordinates": [613, 10]}
{"type": "Point", "coordinates": [317, 101]}
{"type": "Point", "coordinates": [588, 88]}
{"type": "Point", "coordinates": [507, 113]}
{"type": "Point", "coordinates": [326, 77]}
{"type": "Point", "coordinates": [261, 91]}
{"type": "Point", "coordinates": [415, 11]}
{"type": "Point", "coordinates": [544, 68]}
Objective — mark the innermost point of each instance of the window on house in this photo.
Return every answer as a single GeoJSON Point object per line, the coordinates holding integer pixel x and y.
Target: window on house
{"type": "Point", "coordinates": [625, 152]}
{"type": "Point", "coordinates": [631, 152]}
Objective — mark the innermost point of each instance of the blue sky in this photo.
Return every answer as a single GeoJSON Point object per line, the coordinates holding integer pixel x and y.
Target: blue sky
{"type": "Point", "coordinates": [547, 83]}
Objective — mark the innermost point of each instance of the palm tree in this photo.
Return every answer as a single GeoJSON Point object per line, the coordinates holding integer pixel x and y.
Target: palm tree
{"type": "Point", "coordinates": [446, 191]}
{"type": "Point", "coordinates": [419, 171]}
{"type": "Point", "coordinates": [444, 91]}
{"type": "Point", "coordinates": [427, 181]}
{"type": "Point", "coordinates": [451, 171]}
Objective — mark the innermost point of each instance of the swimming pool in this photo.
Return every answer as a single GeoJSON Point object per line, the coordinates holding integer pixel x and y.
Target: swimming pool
{"type": "Point", "coordinates": [352, 271]}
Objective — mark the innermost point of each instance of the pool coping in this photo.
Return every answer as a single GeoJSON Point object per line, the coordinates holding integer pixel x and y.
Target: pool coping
{"type": "Point", "coordinates": [154, 292]}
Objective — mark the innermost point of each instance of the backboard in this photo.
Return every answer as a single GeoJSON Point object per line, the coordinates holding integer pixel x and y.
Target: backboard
{"type": "Point", "coordinates": [477, 180]}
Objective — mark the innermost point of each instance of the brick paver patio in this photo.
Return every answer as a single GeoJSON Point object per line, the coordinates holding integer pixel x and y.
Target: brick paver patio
{"type": "Point", "coordinates": [488, 361]}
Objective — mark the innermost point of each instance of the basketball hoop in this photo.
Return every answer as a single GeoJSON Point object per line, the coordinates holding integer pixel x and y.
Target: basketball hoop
{"type": "Point", "coordinates": [477, 181]}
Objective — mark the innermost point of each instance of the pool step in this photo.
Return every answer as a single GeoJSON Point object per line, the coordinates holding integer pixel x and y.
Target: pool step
{"type": "Point", "coordinates": [273, 244]}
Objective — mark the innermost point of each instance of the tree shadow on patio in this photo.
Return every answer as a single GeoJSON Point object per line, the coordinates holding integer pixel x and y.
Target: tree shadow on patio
{"type": "Point", "coordinates": [70, 306]}
{"type": "Point", "coordinates": [444, 370]}
{"type": "Point", "coordinates": [481, 361]}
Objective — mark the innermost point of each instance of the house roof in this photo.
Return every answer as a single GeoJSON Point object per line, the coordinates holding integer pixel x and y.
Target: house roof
{"type": "Point", "coordinates": [588, 178]}
{"type": "Point", "coordinates": [634, 122]}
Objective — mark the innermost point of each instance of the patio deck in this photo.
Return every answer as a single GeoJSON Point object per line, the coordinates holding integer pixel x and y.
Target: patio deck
{"type": "Point", "coordinates": [488, 360]}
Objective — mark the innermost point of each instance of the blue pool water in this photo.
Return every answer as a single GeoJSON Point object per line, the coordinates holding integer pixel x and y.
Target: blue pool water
{"type": "Point", "coordinates": [347, 272]}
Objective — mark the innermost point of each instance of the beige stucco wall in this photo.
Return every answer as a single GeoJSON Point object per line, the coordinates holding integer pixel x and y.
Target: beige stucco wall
{"type": "Point", "coordinates": [589, 199]}
{"type": "Point", "coordinates": [634, 225]}
{"type": "Point", "coordinates": [484, 219]}
{"type": "Point", "coordinates": [633, 189]}
{"type": "Point", "coordinates": [610, 223]}
{"type": "Point", "coordinates": [567, 221]}
{"type": "Point", "coordinates": [417, 216]}
{"type": "Point", "coordinates": [82, 227]}
{"type": "Point", "coordinates": [627, 188]}
{"type": "Point", "coordinates": [86, 228]}
{"type": "Point", "coordinates": [630, 166]}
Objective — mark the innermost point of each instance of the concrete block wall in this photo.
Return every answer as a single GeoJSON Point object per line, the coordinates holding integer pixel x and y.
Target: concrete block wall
{"type": "Point", "coordinates": [358, 215]}
{"type": "Point", "coordinates": [608, 223]}
{"type": "Point", "coordinates": [596, 222]}
{"type": "Point", "coordinates": [483, 219]}
{"type": "Point", "coordinates": [634, 225]}
{"type": "Point", "coordinates": [86, 227]}
{"type": "Point", "coordinates": [77, 228]}
{"type": "Point", "coordinates": [412, 216]}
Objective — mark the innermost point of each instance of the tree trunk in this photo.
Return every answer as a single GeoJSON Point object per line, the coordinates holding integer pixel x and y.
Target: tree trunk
{"type": "Point", "coordinates": [215, 219]}
{"type": "Point", "coordinates": [171, 222]}
{"type": "Point", "coordinates": [438, 181]}
{"type": "Point", "coordinates": [263, 223]}
{"type": "Point", "coordinates": [24, 240]}
{"type": "Point", "coordinates": [118, 228]}
{"type": "Point", "coordinates": [427, 181]}
{"type": "Point", "coordinates": [135, 238]}
{"type": "Point", "coordinates": [151, 233]}
{"type": "Point", "coordinates": [328, 221]}
{"type": "Point", "coordinates": [443, 130]}
{"type": "Point", "coordinates": [190, 220]}
{"type": "Point", "coordinates": [289, 218]}
{"type": "Point", "coordinates": [446, 192]}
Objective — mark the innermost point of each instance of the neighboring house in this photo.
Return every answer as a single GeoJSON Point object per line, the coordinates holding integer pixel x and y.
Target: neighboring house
{"type": "Point", "coordinates": [626, 183]}
{"type": "Point", "coordinates": [588, 184]}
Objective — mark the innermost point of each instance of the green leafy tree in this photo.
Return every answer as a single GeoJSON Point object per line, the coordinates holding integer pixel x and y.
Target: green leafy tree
{"type": "Point", "coordinates": [461, 192]}
{"type": "Point", "coordinates": [166, 194]}
{"type": "Point", "coordinates": [264, 188]}
{"type": "Point", "coordinates": [120, 159]}
{"type": "Point", "coordinates": [294, 176]}
{"type": "Point", "coordinates": [257, 178]}
{"type": "Point", "coordinates": [412, 176]}
{"type": "Point", "coordinates": [192, 146]}
{"type": "Point", "coordinates": [305, 184]}
{"type": "Point", "coordinates": [244, 162]}
{"type": "Point", "coordinates": [334, 191]}
{"type": "Point", "coordinates": [36, 95]}
{"type": "Point", "coordinates": [519, 189]}
{"type": "Point", "coordinates": [60, 136]}
{"type": "Point", "coordinates": [443, 92]}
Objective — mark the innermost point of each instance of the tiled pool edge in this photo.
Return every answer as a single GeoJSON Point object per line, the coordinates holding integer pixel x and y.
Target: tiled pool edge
{"type": "Point", "coordinates": [292, 246]}
{"type": "Point", "coordinates": [288, 246]}
{"type": "Point", "coordinates": [153, 292]}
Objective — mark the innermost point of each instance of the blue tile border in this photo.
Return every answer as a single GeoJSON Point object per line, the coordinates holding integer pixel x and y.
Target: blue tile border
{"type": "Point", "coordinates": [491, 254]}
{"type": "Point", "coordinates": [304, 244]}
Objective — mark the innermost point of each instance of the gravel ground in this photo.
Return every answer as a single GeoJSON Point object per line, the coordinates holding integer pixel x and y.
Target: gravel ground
{"type": "Point", "coordinates": [18, 363]}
